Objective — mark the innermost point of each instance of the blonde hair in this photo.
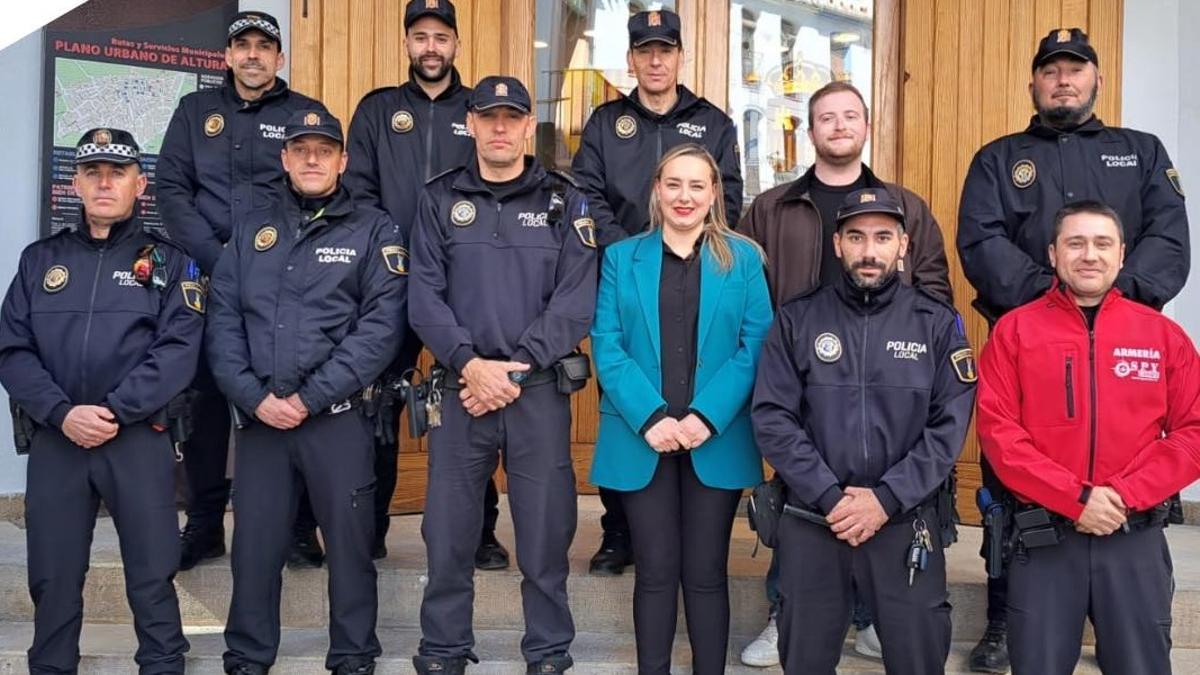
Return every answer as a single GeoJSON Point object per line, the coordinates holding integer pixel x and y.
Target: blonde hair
{"type": "Point", "coordinates": [716, 232]}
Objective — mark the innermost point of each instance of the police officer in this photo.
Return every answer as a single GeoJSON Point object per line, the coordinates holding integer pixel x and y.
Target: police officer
{"type": "Point", "coordinates": [622, 143]}
{"type": "Point", "coordinates": [220, 161]}
{"type": "Point", "coordinates": [100, 330]}
{"type": "Point", "coordinates": [399, 138]}
{"type": "Point", "coordinates": [1018, 182]}
{"type": "Point", "coordinates": [1088, 414]}
{"type": "Point", "coordinates": [503, 288]}
{"type": "Point", "coordinates": [863, 398]}
{"type": "Point", "coordinates": [306, 314]}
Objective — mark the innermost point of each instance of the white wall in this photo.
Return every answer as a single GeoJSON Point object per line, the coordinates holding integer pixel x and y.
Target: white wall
{"type": "Point", "coordinates": [1159, 95]}
{"type": "Point", "coordinates": [20, 180]}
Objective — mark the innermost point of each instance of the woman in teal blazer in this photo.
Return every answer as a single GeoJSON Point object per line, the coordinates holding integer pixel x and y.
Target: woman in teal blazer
{"type": "Point", "coordinates": [681, 314]}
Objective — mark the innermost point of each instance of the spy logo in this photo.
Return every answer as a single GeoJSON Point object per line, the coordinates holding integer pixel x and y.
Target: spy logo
{"type": "Point", "coordinates": [193, 295]}
{"type": "Point", "coordinates": [396, 259]}
{"type": "Point", "coordinates": [214, 124]}
{"type": "Point", "coordinates": [626, 126]}
{"type": "Point", "coordinates": [102, 137]}
{"type": "Point", "coordinates": [312, 119]}
{"type": "Point", "coordinates": [1138, 364]}
{"type": "Point", "coordinates": [402, 122]}
{"type": "Point", "coordinates": [1024, 173]}
{"type": "Point", "coordinates": [266, 238]}
{"type": "Point", "coordinates": [462, 213]}
{"type": "Point", "coordinates": [55, 279]}
{"type": "Point", "coordinates": [828, 347]}
{"type": "Point", "coordinates": [963, 362]}
{"type": "Point", "coordinates": [586, 229]}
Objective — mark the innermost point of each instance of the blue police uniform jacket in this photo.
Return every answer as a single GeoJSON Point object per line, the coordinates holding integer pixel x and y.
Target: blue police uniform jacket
{"type": "Point", "coordinates": [78, 328]}
{"type": "Point", "coordinates": [622, 144]}
{"type": "Point", "coordinates": [513, 279]}
{"type": "Point", "coordinates": [862, 388]}
{"type": "Point", "coordinates": [220, 161]}
{"type": "Point", "coordinates": [1017, 183]}
{"type": "Point", "coordinates": [733, 319]}
{"type": "Point", "coordinates": [399, 139]}
{"type": "Point", "coordinates": [306, 304]}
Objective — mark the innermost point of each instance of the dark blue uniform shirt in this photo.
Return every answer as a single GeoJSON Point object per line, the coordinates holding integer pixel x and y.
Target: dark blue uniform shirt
{"type": "Point", "coordinates": [307, 303]}
{"type": "Point", "coordinates": [77, 327]}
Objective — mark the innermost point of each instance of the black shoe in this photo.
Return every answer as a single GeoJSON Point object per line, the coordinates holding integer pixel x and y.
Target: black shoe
{"type": "Point", "coordinates": [491, 554]}
{"type": "Point", "coordinates": [244, 668]}
{"type": "Point", "coordinates": [437, 665]}
{"type": "Point", "coordinates": [379, 550]}
{"type": "Point", "coordinates": [356, 668]}
{"type": "Point", "coordinates": [991, 654]}
{"type": "Point", "coordinates": [613, 557]}
{"type": "Point", "coordinates": [550, 665]}
{"type": "Point", "coordinates": [305, 553]}
{"type": "Point", "coordinates": [200, 543]}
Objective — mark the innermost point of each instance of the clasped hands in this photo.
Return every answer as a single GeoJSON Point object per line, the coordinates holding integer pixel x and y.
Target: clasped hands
{"type": "Point", "coordinates": [672, 435]}
{"type": "Point", "coordinates": [486, 387]}
{"type": "Point", "coordinates": [1104, 513]}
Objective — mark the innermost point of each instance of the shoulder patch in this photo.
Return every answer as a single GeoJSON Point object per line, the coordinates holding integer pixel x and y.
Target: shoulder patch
{"type": "Point", "coordinates": [963, 362]}
{"type": "Point", "coordinates": [802, 295]}
{"type": "Point", "coordinates": [1173, 178]}
{"type": "Point", "coordinates": [937, 299]}
{"type": "Point", "coordinates": [396, 259]}
{"type": "Point", "coordinates": [195, 295]}
{"type": "Point", "coordinates": [565, 176]}
{"type": "Point", "coordinates": [585, 227]}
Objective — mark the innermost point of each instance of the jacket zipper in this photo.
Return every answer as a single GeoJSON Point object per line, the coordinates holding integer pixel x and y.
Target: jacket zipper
{"type": "Point", "coordinates": [863, 388]}
{"type": "Point", "coordinates": [1070, 388]}
{"type": "Point", "coordinates": [87, 326]}
{"type": "Point", "coordinates": [429, 142]}
{"type": "Point", "coordinates": [658, 142]}
{"type": "Point", "coordinates": [1092, 399]}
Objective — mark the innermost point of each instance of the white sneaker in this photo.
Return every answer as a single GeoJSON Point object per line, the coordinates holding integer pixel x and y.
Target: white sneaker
{"type": "Point", "coordinates": [764, 650]}
{"type": "Point", "coordinates": [866, 642]}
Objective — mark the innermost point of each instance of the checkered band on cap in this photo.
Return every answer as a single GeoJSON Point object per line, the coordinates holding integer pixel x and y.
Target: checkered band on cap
{"type": "Point", "coordinates": [109, 150]}
{"type": "Point", "coordinates": [249, 22]}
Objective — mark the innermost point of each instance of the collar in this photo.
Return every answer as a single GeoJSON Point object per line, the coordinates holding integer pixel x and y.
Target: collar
{"type": "Point", "coordinates": [277, 90]}
{"type": "Point", "coordinates": [800, 187]}
{"type": "Point", "coordinates": [667, 251]}
{"type": "Point", "coordinates": [469, 180]}
{"type": "Point", "coordinates": [415, 89]}
{"type": "Point", "coordinates": [1060, 296]}
{"type": "Point", "coordinates": [867, 301]}
{"type": "Point", "coordinates": [336, 205]}
{"type": "Point", "coordinates": [685, 100]}
{"type": "Point", "coordinates": [1037, 128]}
{"type": "Point", "coordinates": [120, 231]}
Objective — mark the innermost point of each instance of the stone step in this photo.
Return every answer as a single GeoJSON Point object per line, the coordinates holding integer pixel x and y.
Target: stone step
{"type": "Point", "coordinates": [601, 605]}
{"type": "Point", "coordinates": [108, 650]}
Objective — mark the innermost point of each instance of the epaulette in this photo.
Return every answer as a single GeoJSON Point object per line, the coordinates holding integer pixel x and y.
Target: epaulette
{"type": "Point", "coordinates": [802, 295]}
{"type": "Point", "coordinates": [565, 176]}
{"type": "Point", "coordinates": [161, 238]}
{"type": "Point", "coordinates": [443, 174]}
{"type": "Point", "coordinates": [937, 299]}
{"type": "Point", "coordinates": [373, 92]}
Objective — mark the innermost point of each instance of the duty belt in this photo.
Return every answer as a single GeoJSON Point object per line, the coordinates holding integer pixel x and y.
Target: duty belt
{"type": "Point", "coordinates": [531, 379]}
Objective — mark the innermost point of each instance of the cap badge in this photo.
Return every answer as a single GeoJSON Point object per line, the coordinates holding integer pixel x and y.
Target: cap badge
{"type": "Point", "coordinates": [626, 126]}
{"type": "Point", "coordinates": [864, 198]}
{"type": "Point", "coordinates": [1064, 35]}
{"type": "Point", "coordinates": [462, 213]}
{"type": "Point", "coordinates": [431, 4]}
{"type": "Point", "coordinates": [828, 347]}
{"type": "Point", "coordinates": [214, 124]}
{"type": "Point", "coordinates": [266, 238]}
{"type": "Point", "coordinates": [654, 19]}
{"type": "Point", "coordinates": [253, 17]}
{"type": "Point", "coordinates": [502, 89]}
{"type": "Point", "coordinates": [1024, 173]}
{"type": "Point", "coordinates": [55, 279]}
{"type": "Point", "coordinates": [312, 119]}
{"type": "Point", "coordinates": [402, 122]}
{"type": "Point", "coordinates": [102, 137]}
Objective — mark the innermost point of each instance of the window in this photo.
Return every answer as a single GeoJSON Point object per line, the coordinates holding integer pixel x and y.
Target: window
{"type": "Point", "coordinates": [579, 59]}
{"type": "Point", "coordinates": [789, 49]}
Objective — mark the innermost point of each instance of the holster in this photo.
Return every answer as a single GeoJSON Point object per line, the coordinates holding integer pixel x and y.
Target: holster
{"type": "Point", "coordinates": [573, 372]}
{"type": "Point", "coordinates": [23, 428]}
{"type": "Point", "coordinates": [947, 509]}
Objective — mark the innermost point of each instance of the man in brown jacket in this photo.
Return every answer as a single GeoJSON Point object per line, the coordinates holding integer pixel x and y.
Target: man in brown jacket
{"type": "Point", "coordinates": [795, 222]}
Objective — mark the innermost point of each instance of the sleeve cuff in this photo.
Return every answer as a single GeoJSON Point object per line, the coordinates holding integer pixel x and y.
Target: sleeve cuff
{"type": "Point", "coordinates": [522, 355]}
{"type": "Point", "coordinates": [655, 417]}
{"type": "Point", "coordinates": [887, 499]}
{"type": "Point", "coordinates": [460, 357]}
{"type": "Point", "coordinates": [830, 498]}
{"type": "Point", "coordinates": [711, 429]}
{"type": "Point", "coordinates": [1085, 494]}
{"type": "Point", "coordinates": [58, 413]}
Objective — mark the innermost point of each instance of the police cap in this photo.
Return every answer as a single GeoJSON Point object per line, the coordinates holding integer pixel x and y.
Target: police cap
{"type": "Point", "coordinates": [259, 21]}
{"type": "Point", "coordinates": [440, 9]}
{"type": "Point", "coordinates": [869, 200]}
{"type": "Point", "coordinates": [1072, 41]}
{"type": "Point", "coordinates": [660, 25]}
{"type": "Point", "coordinates": [115, 146]}
{"type": "Point", "coordinates": [313, 122]}
{"type": "Point", "coordinates": [498, 91]}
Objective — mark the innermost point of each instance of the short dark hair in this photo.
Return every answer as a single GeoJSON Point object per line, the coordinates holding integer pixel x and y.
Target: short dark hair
{"type": "Point", "coordinates": [1090, 206]}
{"type": "Point", "coordinates": [833, 88]}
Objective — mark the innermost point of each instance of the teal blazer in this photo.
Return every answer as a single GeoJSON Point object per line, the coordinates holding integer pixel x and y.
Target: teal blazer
{"type": "Point", "coordinates": [735, 313]}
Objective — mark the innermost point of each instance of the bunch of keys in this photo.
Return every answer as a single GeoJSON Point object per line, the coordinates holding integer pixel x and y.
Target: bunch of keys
{"type": "Point", "coordinates": [918, 550]}
{"type": "Point", "coordinates": [433, 407]}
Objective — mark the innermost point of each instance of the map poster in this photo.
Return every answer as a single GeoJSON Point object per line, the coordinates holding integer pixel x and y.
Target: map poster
{"type": "Point", "coordinates": [123, 64]}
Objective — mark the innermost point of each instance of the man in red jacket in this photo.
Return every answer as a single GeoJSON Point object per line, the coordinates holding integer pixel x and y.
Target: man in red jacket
{"type": "Point", "coordinates": [1089, 411]}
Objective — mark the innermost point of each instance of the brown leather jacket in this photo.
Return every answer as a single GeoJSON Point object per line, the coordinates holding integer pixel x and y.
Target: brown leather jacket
{"type": "Point", "coordinates": [786, 223]}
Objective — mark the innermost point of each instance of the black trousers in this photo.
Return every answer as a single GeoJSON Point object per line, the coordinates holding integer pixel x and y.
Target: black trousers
{"type": "Point", "coordinates": [134, 474]}
{"type": "Point", "coordinates": [1122, 582]}
{"type": "Point", "coordinates": [997, 589]}
{"type": "Point", "coordinates": [331, 456]}
{"type": "Point", "coordinates": [534, 435]}
{"type": "Point", "coordinates": [817, 572]}
{"type": "Point", "coordinates": [207, 451]}
{"type": "Point", "coordinates": [681, 530]}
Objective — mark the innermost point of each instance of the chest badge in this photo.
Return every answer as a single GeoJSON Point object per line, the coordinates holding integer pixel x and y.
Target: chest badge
{"type": "Point", "coordinates": [402, 122]}
{"type": "Point", "coordinates": [1024, 173]}
{"type": "Point", "coordinates": [626, 126]}
{"type": "Point", "coordinates": [265, 238]}
{"type": "Point", "coordinates": [828, 347]}
{"type": "Point", "coordinates": [55, 279]}
{"type": "Point", "coordinates": [963, 361]}
{"type": "Point", "coordinates": [214, 124]}
{"type": "Point", "coordinates": [462, 213]}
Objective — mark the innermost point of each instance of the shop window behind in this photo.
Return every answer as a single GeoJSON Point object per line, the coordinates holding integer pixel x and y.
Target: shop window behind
{"type": "Point", "coordinates": [579, 59]}
{"type": "Point", "coordinates": [787, 50]}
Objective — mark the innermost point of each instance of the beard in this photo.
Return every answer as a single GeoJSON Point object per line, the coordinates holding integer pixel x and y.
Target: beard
{"type": "Point", "coordinates": [865, 284]}
{"type": "Point", "coordinates": [840, 157]}
{"type": "Point", "coordinates": [1064, 116]}
{"type": "Point", "coordinates": [443, 69]}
